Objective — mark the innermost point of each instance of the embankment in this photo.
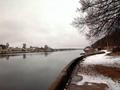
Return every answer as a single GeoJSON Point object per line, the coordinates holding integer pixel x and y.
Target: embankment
{"type": "Point", "coordinates": [65, 75]}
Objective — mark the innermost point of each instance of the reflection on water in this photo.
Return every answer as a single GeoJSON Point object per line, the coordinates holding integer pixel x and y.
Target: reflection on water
{"type": "Point", "coordinates": [33, 71]}
{"type": "Point", "coordinates": [7, 56]}
{"type": "Point", "coordinates": [24, 56]}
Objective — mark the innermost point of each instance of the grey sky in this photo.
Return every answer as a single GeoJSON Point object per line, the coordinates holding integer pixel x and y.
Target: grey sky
{"type": "Point", "coordinates": [39, 22]}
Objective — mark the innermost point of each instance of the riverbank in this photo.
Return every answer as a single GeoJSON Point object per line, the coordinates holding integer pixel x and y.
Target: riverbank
{"type": "Point", "coordinates": [15, 52]}
{"type": "Point", "coordinates": [65, 75]}
{"type": "Point", "coordinates": [96, 72]}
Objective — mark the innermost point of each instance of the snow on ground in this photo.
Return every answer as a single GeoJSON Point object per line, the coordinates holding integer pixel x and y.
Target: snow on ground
{"type": "Point", "coordinates": [96, 77]}
{"type": "Point", "coordinates": [103, 59]}
{"type": "Point", "coordinates": [99, 79]}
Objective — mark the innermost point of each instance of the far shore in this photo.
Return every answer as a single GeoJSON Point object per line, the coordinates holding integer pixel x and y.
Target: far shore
{"type": "Point", "coordinates": [23, 52]}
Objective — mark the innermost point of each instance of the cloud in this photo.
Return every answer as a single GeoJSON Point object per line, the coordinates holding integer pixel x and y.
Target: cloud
{"type": "Point", "coordinates": [39, 22]}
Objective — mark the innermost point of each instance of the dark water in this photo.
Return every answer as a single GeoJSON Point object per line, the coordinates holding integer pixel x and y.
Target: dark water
{"type": "Point", "coordinates": [33, 71]}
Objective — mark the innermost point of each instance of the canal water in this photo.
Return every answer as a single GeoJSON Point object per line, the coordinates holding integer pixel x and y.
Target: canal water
{"type": "Point", "coordinates": [33, 71]}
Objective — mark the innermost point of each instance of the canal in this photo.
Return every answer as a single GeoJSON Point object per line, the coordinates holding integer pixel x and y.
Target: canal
{"type": "Point", "coordinates": [33, 71]}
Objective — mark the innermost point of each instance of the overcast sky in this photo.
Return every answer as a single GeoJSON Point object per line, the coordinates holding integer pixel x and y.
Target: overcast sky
{"type": "Point", "coordinates": [39, 22]}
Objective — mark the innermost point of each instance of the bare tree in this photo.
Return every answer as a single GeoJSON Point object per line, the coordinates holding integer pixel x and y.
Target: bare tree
{"type": "Point", "coordinates": [101, 16]}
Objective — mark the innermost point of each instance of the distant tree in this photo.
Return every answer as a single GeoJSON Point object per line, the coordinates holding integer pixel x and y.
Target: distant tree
{"type": "Point", "coordinates": [3, 46]}
{"type": "Point", "coordinates": [102, 17]}
{"type": "Point", "coordinates": [7, 45]}
{"type": "Point", "coordinates": [24, 46]}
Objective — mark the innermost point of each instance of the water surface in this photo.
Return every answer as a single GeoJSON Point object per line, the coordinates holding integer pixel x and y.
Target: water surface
{"type": "Point", "coordinates": [33, 71]}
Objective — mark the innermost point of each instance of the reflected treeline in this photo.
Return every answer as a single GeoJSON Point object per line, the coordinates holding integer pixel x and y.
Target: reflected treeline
{"type": "Point", "coordinates": [24, 55]}
{"type": "Point", "coordinates": [44, 53]}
